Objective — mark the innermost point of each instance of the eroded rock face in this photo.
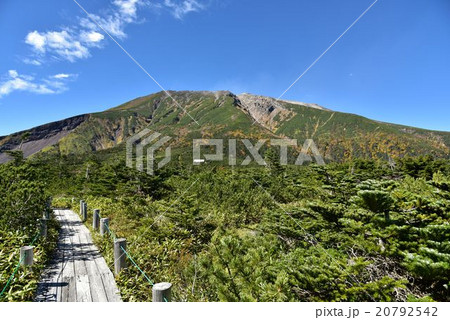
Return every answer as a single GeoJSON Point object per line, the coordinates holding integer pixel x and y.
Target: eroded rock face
{"type": "Point", "coordinates": [36, 139]}
{"type": "Point", "coordinates": [264, 110]}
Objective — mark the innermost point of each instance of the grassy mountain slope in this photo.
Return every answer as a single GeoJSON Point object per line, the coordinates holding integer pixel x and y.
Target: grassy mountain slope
{"type": "Point", "coordinates": [339, 136]}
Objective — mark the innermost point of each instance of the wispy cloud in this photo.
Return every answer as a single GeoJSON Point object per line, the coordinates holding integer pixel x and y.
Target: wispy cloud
{"type": "Point", "coordinates": [75, 42]}
{"type": "Point", "coordinates": [64, 44]}
{"type": "Point", "coordinates": [33, 62]}
{"type": "Point", "coordinates": [128, 8]}
{"type": "Point", "coordinates": [181, 8]}
{"type": "Point", "coordinates": [13, 81]}
{"type": "Point", "coordinates": [72, 43]}
{"type": "Point", "coordinates": [91, 38]}
{"type": "Point", "coordinates": [64, 76]}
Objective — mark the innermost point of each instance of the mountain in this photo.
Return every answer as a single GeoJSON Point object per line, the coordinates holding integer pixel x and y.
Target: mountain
{"type": "Point", "coordinates": [339, 136]}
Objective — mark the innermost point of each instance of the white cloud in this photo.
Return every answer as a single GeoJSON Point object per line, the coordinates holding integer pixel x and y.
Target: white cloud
{"type": "Point", "coordinates": [91, 37]}
{"type": "Point", "coordinates": [72, 43]}
{"type": "Point", "coordinates": [33, 62]}
{"type": "Point", "coordinates": [61, 76]}
{"type": "Point", "coordinates": [181, 8]}
{"type": "Point", "coordinates": [128, 8]}
{"type": "Point", "coordinates": [114, 23]}
{"type": "Point", "coordinates": [17, 82]}
{"type": "Point", "coordinates": [36, 40]}
{"type": "Point", "coordinates": [13, 73]}
{"type": "Point", "coordinates": [111, 24]}
{"type": "Point", "coordinates": [64, 44]}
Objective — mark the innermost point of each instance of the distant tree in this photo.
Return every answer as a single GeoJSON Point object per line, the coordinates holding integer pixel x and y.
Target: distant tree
{"type": "Point", "coordinates": [441, 181]}
{"type": "Point", "coordinates": [424, 166]}
{"type": "Point", "coordinates": [273, 162]}
{"type": "Point", "coordinates": [376, 201]}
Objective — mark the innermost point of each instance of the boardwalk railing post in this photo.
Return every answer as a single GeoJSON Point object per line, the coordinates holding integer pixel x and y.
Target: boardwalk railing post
{"type": "Point", "coordinates": [48, 209]}
{"type": "Point", "coordinates": [104, 226]}
{"type": "Point", "coordinates": [44, 228]}
{"type": "Point", "coordinates": [161, 292]}
{"type": "Point", "coordinates": [85, 211]}
{"type": "Point", "coordinates": [26, 256]}
{"type": "Point", "coordinates": [81, 208]}
{"type": "Point", "coordinates": [96, 219]}
{"type": "Point", "coordinates": [120, 258]}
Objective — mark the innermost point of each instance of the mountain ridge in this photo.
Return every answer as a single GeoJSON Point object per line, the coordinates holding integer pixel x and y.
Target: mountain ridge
{"type": "Point", "coordinates": [340, 135]}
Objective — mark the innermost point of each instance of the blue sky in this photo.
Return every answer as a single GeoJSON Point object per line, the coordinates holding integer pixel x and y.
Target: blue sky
{"type": "Point", "coordinates": [393, 65]}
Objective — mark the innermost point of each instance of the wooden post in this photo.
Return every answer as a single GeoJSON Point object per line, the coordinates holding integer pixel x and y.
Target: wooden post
{"type": "Point", "coordinates": [161, 292]}
{"type": "Point", "coordinates": [49, 202]}
{"type": "Point", "coordinates": [85, 211]}
{"type": "Point", "coordinates": [26, 256]}
{"type": "Point", "coordinates": [96, 219]}
{"type": "Point", "coordinates": [44, 228]}
{"type": "Point", "coordinates": [104, 226]}
{"type": "Point", "coordinates": [46, 215]}
{"type": "Point", "coordinates": [81, 207]}
{"type": "Point", "coordinates": [120, 258]}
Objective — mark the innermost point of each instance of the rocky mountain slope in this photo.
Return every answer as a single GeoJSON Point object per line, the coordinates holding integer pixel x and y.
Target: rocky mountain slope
{"type": "Point", "coordinates": [222, 114]}
{"type": "Point", "coordinates": [36, 139]}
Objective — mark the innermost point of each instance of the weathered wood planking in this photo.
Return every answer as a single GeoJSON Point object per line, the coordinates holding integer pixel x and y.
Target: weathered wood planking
{"type": "Point", "coordinates": [78, 272]}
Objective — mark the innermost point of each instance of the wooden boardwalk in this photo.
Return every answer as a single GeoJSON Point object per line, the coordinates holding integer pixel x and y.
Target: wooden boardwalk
{"type": "Point", "coordinates": [78, 272]}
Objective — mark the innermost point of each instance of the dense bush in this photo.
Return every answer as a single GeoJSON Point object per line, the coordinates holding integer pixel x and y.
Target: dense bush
{"type": "Point", "coordinates": [22, 196]}
{"type": "Point", "coordinates": [23, 201]}
{"type": "Point", "coordinates": [358, 231]}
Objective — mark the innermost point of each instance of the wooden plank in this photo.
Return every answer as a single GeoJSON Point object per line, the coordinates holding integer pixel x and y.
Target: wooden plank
{"type": "Point", "coordinates": [111, 288]}
{"type": "Point", "coordinates": [109, 284]}
{"type": "Point", "coordinates": [68, 290]}
{"type": "Point", "coordinates": [60, 257]}
{"type": "Point", "coordinates": [83, 288]}
{"type": "Point", "coordinates": [56, 275]}
{"type": "Point", "coordinates": [100, 262]}
{"type": "Point", "coordinates": [62, 291]}
{"type": "Point", "coordinates": [78, 256]}
{"type": "Point", "coordinates": [91, 253]}
{"type": "Point", "coordinates": [81, 273]}
{"type": "Point", "coordinates": [98, 291]}
{"type": "Point", "coordinates": [49, 286]}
